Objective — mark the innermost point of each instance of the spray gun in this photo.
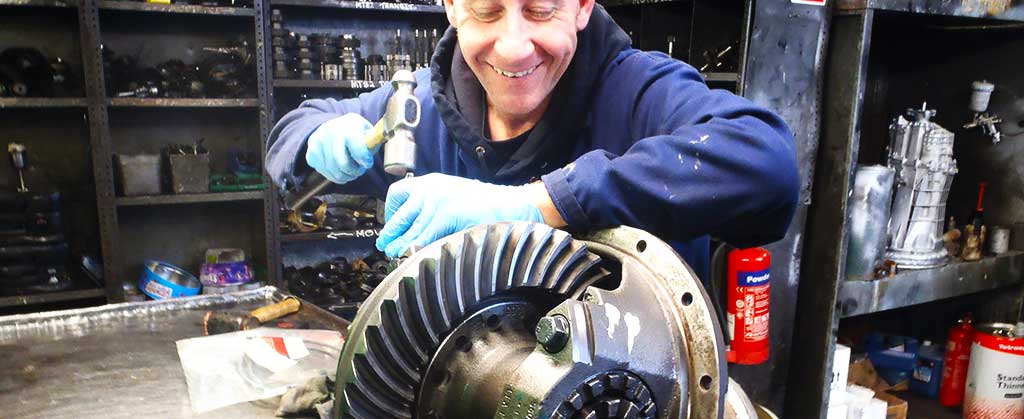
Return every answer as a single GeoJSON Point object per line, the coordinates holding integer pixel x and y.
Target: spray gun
{"type": "Point", "coordinates": [982, 92]}
{"type": "Point", "coordinates": [17, 152]}
{"type": "Point", "coordinates": [394, 129]}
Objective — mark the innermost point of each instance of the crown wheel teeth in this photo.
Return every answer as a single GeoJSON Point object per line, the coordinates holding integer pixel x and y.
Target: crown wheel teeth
{"type": "Point", "coordinates": [472, 268]}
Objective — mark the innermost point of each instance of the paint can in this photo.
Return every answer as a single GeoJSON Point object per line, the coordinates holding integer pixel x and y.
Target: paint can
{"type": "Point", "coordinates": [999, 240]}
{"type": "Point", "coordinates": [995, 377]}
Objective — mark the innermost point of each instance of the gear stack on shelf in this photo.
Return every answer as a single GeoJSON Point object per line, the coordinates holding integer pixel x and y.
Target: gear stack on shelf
{"type": "Point", "coordinates": [323, 56]}
{"type": "Point", "coordinates": [352, 66]}
{"type": "Point", "coordinates": [279, 41]}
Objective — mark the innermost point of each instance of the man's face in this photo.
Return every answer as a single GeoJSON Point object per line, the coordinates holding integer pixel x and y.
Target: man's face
{"type": "Point", "coordinates": [518, 49]}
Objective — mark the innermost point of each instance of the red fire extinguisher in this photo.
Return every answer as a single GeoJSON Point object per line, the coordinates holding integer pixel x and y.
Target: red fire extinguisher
{"type": "Point", "coordinates": [747, 298]}
{"type": "Point", "coordinates": [954, 369]}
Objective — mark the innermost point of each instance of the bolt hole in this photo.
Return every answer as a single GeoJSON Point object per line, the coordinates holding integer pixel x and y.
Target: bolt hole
{"type": "Point", "coordinates": [1021, 123]}
{"type": "Point", "coordinates": [705, 382]}
{"type": "Point", "coordinates": [462, 343]}
{"type": "Point", "coordinates": [493, 322]}
{"type": "Point", "coordinates": [641, 246]}
{"type": "Point", "coordinates": [687, 299]}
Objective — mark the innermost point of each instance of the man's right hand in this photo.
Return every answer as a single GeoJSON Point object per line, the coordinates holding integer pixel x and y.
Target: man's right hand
{"type": "Point", "coordinates": [338, 150]}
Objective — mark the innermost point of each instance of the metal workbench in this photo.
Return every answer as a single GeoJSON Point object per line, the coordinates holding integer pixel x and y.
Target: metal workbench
{"type": "Point", "coordinates": [120, 360]}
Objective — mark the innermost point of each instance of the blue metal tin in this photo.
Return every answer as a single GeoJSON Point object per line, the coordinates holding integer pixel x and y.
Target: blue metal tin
{"type": "Point", "coordinates": [161, 280]}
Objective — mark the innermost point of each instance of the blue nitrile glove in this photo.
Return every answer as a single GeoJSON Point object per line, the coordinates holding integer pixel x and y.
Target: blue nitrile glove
{"type": "Point", "coordinates": [337, 149]}
{"type": "Point", "coordinates": [423, 209]}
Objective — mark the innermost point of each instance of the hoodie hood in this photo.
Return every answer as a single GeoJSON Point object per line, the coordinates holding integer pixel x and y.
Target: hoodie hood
{"type": "Point", "coordinates": [462, 103]}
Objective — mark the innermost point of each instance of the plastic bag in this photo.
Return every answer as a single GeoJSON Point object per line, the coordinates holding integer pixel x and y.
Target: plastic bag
{"type": "Point", "coordinates": [230, 368]}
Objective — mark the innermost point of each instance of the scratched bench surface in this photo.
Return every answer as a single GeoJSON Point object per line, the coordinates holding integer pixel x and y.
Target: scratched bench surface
{"type": "Point", "coordinates": [120, 360]}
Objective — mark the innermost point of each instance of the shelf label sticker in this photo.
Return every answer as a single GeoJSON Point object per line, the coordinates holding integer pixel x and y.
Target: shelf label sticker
{"type": "Point", "coordinates": [810, 2]}
{"type": "Point", "coordinates": [405, 7]}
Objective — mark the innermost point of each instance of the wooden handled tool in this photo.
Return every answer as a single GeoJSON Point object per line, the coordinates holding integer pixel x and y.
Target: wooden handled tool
{"type": "Point", "coordinates": [215, 322]}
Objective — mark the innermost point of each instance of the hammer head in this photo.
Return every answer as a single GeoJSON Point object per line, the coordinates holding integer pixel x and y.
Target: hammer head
{"type": "Point", "coordinates": [216, 322]}
{"type": "Point", "coordinates": [400, 119]}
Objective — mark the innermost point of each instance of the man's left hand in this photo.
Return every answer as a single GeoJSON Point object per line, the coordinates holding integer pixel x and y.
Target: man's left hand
{"type": "Point", "coordinates": [423, 209]}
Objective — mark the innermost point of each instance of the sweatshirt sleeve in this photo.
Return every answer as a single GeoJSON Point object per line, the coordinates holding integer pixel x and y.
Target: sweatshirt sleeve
{"type": "Point", "coordinates": [702, 162]}
{"type": "Point", "coordinates": [286, 151]}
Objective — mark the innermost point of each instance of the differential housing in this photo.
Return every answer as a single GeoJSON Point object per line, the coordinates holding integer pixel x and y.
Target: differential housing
{"type": "Point", "coordinates": [520, 320]}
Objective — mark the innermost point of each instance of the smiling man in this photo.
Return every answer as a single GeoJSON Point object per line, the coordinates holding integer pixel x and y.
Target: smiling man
{"type": "Point", "coordinates": [540, 110]}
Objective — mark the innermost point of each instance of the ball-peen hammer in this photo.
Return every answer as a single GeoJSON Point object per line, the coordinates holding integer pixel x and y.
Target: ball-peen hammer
{"type": "Point", "coordinates": [394, 129]}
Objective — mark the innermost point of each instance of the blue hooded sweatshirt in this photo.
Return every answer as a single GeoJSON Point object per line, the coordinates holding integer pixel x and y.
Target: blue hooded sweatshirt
{"type": "Point", "coordinates": [630, 138]}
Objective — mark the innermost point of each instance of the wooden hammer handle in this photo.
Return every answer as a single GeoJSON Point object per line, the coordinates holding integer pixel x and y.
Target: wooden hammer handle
{"type": "Point", "coordinates": [273, 311]}
{"type": "Point", "coordinates": [375, 136]}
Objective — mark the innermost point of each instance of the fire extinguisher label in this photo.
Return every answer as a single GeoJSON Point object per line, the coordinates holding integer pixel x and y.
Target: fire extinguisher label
{"type": "Point", "coordinates": [753, 279]}
{"type": "Point", "coordinates": [752, 308]}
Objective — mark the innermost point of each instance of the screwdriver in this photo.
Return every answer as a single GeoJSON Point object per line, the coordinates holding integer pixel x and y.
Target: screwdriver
{"type": "Point", "coordinates": [979, 210]}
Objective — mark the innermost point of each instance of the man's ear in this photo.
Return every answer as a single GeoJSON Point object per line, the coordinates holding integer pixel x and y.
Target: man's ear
{"type": "Point", "coordinates": [449, 10]}
{"type": "Point", "coordinates": [583, 16]}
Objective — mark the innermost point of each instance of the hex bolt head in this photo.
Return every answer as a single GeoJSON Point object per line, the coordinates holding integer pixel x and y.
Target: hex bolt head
{"type": "Point", "coordinates": [553, 332]}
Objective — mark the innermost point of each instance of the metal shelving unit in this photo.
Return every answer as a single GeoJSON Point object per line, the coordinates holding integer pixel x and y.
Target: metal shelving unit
{"type": "Point", "coordinates": [135, 6]}
{"type": "Point", "coordinates": [721, 77]}
{"type": "Point", "coordinates": [42, 102]}
{"type": "Point", "coordinates": [189, 198]}
{"type": "Point", "coordinates": [362, 5]}
{"type": "Point", "coordinates": [115, 212]}
{"type": "Point", "coordinates": [62, 33]}
{"type": "Point", "coordinates": [689, 30]}
{"type": "Point", "coordinates": [183, 103]}
{"type": "Point", "coordinates": [98, 107]}
{"type": "Point", "coordinates": [367, 233]}
{"type": "Point", "coordinates": [912, 287]}
{"type": "Point", "coordinates": [39, 3]}
{"type": "Point", "coordinates": [617, 3]}
{"type": "Point", "coordinates": [311, 16]}
{"type": "Point", "coordinates": [52, 297]}
{"type": "Point", "coordinates": [969, 9]}
{"type": "Point", "coordinates": [868, 81]}
{"type": "Point", "coordinates": [328, 84]}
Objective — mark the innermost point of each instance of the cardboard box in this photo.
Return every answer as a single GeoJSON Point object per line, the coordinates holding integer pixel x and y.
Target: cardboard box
{"type": "Point", "coordinates": [897, 407]}
{"type": "Point", "coordinates": [862, 373]}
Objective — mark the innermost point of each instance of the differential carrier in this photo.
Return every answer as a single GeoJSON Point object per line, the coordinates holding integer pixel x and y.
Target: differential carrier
{"type": "Point", "coordinates": [519, 320]}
